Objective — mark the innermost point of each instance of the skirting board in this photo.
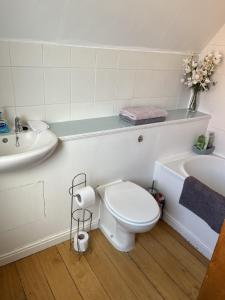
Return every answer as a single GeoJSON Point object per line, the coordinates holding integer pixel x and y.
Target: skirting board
{"type": "Point", "coordinates": [189, 236]}
{"type": "Point", "coordinates": [37, 246]}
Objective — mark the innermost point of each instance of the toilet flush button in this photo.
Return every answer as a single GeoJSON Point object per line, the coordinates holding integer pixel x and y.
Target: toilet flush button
{"type": "Point", "coordinates": [140, 138]}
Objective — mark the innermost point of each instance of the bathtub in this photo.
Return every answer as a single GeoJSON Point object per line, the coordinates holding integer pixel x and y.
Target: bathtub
{"type": "Point", "coordinates": [169, 175]}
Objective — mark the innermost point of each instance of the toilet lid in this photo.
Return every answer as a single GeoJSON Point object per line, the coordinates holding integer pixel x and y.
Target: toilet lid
{"type": "Point", "coordinates": [131, 202]}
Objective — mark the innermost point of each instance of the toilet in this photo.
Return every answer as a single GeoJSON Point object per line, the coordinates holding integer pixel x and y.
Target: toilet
{"type": "Point", "coordinates": [126, 209]}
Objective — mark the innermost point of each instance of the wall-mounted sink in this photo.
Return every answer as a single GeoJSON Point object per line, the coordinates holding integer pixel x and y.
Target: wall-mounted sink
{"type": "Point", "coordinates": [30, 148]}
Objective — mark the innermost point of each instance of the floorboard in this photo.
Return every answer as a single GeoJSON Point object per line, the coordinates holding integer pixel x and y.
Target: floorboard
{"type": "Point", "coordinates": [190, 262]}
{"type": "Point", "coordinates": [161, 266]}
{"type": "Point", "coordinates": [170, 265]}
{"type": "Point", "coordinates": [33, 280]}
{"type": "Point", "coordinates": [58, 277]}
{"type": "Point", "coordinates": [137, 281]}
{"type": "Point", "coordinates": [161, 280]}
{"type": "Point", "coordinates": [107, 274]}
{"type": "Point", "coordinates": [86, 280]}
{"type": "Point", "coordinates": [10, 284]}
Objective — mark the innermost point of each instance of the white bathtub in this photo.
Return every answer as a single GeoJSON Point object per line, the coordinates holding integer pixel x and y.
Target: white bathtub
{"type": "Point", "coordinates": [169, 176]}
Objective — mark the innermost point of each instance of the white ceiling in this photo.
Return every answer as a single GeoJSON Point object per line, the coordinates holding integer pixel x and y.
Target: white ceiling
{"type": "Point", "coordinates": [161, 24]}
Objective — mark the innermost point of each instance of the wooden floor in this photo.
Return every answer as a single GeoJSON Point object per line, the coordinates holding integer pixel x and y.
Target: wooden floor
{"type": "Point", "coordinates": [162, 266]}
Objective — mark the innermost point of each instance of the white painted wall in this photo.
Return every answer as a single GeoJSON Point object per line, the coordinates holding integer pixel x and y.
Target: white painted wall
{"type": "Point", "coordinates": [58, 83]}
{"type": "Point", "coordinates": [162, 24]}
{"type": "Point", "coordinates": [104, 158]}
{"type": "Point", "coordinates": [213, 102]}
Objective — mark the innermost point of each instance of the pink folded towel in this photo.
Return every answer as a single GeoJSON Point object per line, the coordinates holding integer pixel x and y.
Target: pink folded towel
{"type": "Point", "coordinates": [143, 112]}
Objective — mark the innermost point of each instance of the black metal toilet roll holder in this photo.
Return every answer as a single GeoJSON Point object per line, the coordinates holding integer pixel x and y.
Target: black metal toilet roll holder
{"type": "Point", "coordinates": [80, 218]}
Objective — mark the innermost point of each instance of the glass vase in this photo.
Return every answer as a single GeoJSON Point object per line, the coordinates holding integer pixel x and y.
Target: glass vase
{"type": "Point", "coordinates": [193, 102]}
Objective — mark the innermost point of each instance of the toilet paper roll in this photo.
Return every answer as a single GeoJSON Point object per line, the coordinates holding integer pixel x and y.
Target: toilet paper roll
{"type": "Point", "coordinates": [80, 242]}
{"type": "Point", "coordinates": [85, 197]}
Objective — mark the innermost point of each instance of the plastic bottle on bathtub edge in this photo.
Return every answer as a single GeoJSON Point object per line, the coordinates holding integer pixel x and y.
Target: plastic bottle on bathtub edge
{"type": "Point", "coordinates": [4, 127]}
{"type": "Point", "coordinates": [211, 139]}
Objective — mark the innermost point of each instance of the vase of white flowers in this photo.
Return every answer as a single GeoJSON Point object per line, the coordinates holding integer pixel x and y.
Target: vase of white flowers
{"type": "Point", "coordinates": [193, 102]}
{"type": "Point", "coordinates": [198, 75]}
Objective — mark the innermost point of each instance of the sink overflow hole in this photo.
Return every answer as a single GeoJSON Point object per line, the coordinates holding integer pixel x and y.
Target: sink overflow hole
{"type": "Point", "coordinates": [5, 140]}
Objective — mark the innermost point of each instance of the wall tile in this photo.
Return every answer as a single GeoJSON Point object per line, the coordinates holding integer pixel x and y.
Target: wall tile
{"type": "Point", "coordinates": [57, 85]}
{"type": "Point", "coordinates": [131, 59]}
{"type": "Point", "coordinates": [124, 84]}
{"type": "Point", "coordinates": [171, 83]}
{"type": "Point", "coordinates": [119, 104]}
{"type": "Point", "coordinates": [103, 109]}
{"type": "Point", "coordinates": [57, 112]}
{"type": "Point", "coordinates": [163, 102]}
{"type": "Point", "coordinates": [105, 85]}
{"type": "Point", "coordinates": [28, 85]}
{"type": "Point", "coordinates": [82, 85]}
{"type": "Point", "coordinates": [30, 112]}
{"type": "Point", "coordinates": [143, 82]}
{"type": "Point", "coordinates": [152, 83]}
{"type": "Point", "coordinates": [4, 54]}
{"type": "Point", "coordinates": [81, 111]}
{"type": "Point", "coordinates": [57, 82]}
{"type": "Point", "coordinates": [107, 58]}
{"type": "Point", "coordinates": [26, 54]}
{"type": "Point", "coordinates": [150, 60]}
{"type": "Point", "coordinates": [164, 61]}
{"type": "Point", "coordinates": [6, 88]}
{"type": "Point", "coordinates": [83, 57]}
{"type": "Point", "coordinates": [56, 56]}
{"type": "Point", "coordinates": [91, 110]}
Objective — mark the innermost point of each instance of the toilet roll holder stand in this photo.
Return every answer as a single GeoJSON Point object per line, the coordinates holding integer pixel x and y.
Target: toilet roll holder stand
{"type": "Point", "coordinates": [80, 218]}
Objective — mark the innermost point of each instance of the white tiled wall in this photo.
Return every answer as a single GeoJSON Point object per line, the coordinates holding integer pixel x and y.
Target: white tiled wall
{"type": "Point", "coordinates": [57, 83]}
{"type": "Point", "coordinates": [213, 102]}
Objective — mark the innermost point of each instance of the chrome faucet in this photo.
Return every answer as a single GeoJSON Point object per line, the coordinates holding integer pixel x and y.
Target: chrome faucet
{"type": "Point", "coordinates": [18, 125]}
{"type": "Point", "coordinates": [18, 129]}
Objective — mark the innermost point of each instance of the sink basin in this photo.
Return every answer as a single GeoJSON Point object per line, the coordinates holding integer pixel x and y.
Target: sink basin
{"type": "Point", "coordinates": [33, 147]}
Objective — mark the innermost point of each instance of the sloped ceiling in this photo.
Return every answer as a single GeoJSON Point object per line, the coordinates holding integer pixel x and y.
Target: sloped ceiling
{"type": "Point", "coordinates": [161, 24]}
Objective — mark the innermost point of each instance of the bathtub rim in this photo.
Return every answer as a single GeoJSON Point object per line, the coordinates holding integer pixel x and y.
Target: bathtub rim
{"type": "Point", "coordinates": [175, 164]}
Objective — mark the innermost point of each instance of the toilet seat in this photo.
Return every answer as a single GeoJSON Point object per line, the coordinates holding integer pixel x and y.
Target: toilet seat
{"type": "Point", "coordinates": [131, 203]}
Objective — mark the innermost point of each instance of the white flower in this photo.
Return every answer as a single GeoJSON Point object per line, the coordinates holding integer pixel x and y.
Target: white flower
{"type": "Point", "coordinates": [218, 55]}
{"type": "Point", "coordinates": [197, 76]}
{"type": "Point", "coordinates": [216, 60]}
{"type": "Point", "coordinates": [194, 64]}
{"type": "Point", "coordinates": [199, 73]}
{"type": "Point", "coordinates": [186, 60]}
{"type": "Point", "coordinates": [187, 69]}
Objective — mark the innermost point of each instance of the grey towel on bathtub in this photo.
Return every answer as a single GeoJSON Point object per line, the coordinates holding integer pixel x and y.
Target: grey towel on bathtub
{"type": "Point", "coordinates": [204, 202]}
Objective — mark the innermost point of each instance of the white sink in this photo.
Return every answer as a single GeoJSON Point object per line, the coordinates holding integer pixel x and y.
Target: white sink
{"type": "Point", "coordinates": [33, 147]}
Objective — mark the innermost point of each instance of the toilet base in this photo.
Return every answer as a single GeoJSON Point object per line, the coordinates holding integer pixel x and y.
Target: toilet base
{"type": "Point", "coordinates": [121, 239]}
{"type": "Point", "coordinates": [124, 245]}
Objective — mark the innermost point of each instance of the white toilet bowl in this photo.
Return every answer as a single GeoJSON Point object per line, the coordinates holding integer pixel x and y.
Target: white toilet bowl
{"type": "Point", "coordinates": [126, 209]}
